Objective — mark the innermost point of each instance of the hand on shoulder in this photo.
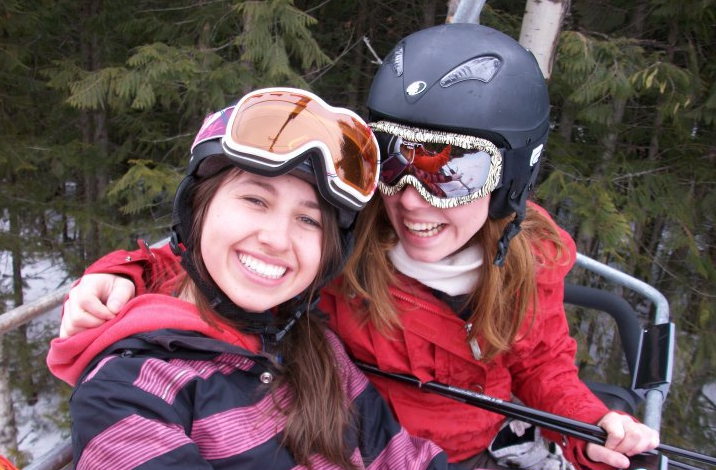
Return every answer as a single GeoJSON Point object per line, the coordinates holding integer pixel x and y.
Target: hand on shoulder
{"type": "Point", "coordinates": [96, 299]}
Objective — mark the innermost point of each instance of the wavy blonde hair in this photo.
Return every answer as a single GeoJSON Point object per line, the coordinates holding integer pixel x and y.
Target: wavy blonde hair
{"type": "Point", "coordinates": [500, 301]}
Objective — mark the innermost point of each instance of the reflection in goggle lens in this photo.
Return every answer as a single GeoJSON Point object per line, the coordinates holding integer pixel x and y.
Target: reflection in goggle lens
{"type": "Point", "coordinates": [444, 172]}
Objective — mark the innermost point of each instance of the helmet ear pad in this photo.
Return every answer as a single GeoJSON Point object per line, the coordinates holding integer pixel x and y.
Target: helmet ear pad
{"type": "Point", "coordinates": [520, 169]}
{"type": "Point", "coordinates": [182, 214]}
{"type": "Point", "coordinates": [499, 208]}
{"type": "Point", "coordinates": [207, 159]}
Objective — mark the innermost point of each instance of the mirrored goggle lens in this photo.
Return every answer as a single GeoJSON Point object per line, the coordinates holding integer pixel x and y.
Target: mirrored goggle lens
{"type": "Point", "coordinates": [276, 126]}
{"type": "Point", "coordinates": [438, 170]}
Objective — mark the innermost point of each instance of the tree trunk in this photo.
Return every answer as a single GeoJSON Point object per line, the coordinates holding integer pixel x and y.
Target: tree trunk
{"type": "Point", "coordinates": [246, 64]}
{"type": "Point", "coordinates": [610, 141]}
{"type": "Point", "coordinates": [95, 134]}
{"type": "Point", "coordinates": [356, 80]}
{"type": "Point", "coordinates": [8, 425]}
{"type": "Point", "coordinates": [541, 25]}
{"type": "Point", "coordinates": [429, 8]}
{"type": "Point", "coordinates": [566, 120]}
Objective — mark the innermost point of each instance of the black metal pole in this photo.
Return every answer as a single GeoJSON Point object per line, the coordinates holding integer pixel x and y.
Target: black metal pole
{"type": "Point", "coordinates": [561, 424]}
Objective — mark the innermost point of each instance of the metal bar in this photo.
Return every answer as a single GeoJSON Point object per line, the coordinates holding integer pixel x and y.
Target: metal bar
{"type": "Point", "coordinates": [660, 303]}
{"type": "Point", "coordinates": [468, 11]}
{"type": "Point", "coordinates": [653, 403]}
{"type": "Point", "coordinates": [31, 310]}
{"type": "Point", "coordinates": [56, 459]}
{"type": "Point", "coordinates": [654, 398]}
{"type": "Point", "coordinates": [562, 424]}
{"type": "Point", "coordinates": [24, 313]}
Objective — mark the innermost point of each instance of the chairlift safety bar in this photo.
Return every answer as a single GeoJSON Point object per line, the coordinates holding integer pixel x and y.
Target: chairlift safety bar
{"type": "Point", "coordinates": [654, 399]}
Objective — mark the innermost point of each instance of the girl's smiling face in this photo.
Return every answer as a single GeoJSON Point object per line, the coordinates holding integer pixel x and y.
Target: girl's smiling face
{"type": "Point", "coordinates": [261, 239]}
{"type": "Point", "coordinates": [428, 233]}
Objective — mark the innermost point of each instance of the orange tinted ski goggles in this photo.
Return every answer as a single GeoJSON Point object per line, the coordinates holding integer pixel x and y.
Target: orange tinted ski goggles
{"type": "Point", "coordinates": [273, 130]}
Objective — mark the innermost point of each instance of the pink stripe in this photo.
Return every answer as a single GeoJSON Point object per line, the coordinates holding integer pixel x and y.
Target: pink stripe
{"type": "Point", "coordinates": [405, 451]}
{"type": "Point", "coordinates": [237, 430]}
{"type": "Point", "coordinates": [165, 379]}
{"type": "Point", "coordinates": [130, 443]}
{"type": "Point", "coordinates": [225, 363]}
{"type": "Point", "coordinates": [214, 126]}
{"type": "Point", "coordinates": [354, 381]}
{"type": "Point", "coordinates": [98, 367]}
{"type": "Point", "coordinates": [319, 462]}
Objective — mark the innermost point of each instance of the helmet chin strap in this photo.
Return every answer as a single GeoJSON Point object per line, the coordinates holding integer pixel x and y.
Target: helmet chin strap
{"type": "Point", "coordinates": [519, 205]}
{"type": "Point", "coordinates": [511, 230]}
{"type": "Point", "coordinates": [263, 324]}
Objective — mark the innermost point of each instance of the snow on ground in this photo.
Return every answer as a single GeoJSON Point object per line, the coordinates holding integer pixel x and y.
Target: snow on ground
{"type": "Point", "coordinates": [709, 392]}
{"type": "Point", "coordinates": [37, 432]}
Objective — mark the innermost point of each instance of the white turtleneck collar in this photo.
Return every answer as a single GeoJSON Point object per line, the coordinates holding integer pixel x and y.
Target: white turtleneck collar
{"type": "Point", "coordinates": [454, 275]}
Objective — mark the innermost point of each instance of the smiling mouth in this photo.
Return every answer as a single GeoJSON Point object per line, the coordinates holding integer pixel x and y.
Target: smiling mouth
{"type": "Point", "coordinates": [258, 267]}
{"type": "Point", "coordinates": [424, 229]}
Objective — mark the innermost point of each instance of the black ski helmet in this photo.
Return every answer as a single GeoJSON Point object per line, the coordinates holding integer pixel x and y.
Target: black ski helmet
{"type": "Point", "coordinates": [471, 79]}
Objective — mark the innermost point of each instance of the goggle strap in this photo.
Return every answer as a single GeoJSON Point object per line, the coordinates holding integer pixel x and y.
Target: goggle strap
{"type": "Point", "coordinates": [415, 134]}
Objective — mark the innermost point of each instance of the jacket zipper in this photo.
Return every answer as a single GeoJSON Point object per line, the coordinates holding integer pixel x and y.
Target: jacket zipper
{"type": "Point", "coordinates": [474, 346]}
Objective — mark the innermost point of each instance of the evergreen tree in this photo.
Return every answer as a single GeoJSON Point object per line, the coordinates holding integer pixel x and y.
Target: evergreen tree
{"type": "Point", "coordinates": [632, 162]}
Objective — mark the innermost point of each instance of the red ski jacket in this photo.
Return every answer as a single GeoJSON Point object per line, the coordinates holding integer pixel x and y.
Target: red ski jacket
{"type": "Point", "coordinates": [539, 369]}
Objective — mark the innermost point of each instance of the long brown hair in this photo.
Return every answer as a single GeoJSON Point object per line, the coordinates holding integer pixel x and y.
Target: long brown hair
{"type": "Point", "coordinates": [499, 302]}
{"type": "Point", "coordinates": [317, 415]}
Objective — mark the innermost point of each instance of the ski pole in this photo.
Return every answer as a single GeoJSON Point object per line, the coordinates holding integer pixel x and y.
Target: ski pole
{"type": "Point", "coordinates": [572, 427]}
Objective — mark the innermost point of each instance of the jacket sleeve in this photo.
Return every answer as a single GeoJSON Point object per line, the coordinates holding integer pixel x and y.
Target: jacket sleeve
{"type": "Point", "coordinates": [117, 425]}
{"type": "Point", "coordinates": [542, 363]}
{"type": "Point", "coordinates": [145, 267]}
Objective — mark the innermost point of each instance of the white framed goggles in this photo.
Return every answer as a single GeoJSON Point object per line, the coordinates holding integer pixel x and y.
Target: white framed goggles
{"type": "Point", "coordinates": [447, 169]}
{"type": "Point", "coordinates": [273, 130]}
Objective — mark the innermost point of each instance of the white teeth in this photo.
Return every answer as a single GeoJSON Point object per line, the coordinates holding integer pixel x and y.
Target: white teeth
{"type": "Point", "coordinates": [422, 226]}
{"type": "Point", "coordinates": [423, 229]}
{"type": "Point", "coordinates": [254, 265]}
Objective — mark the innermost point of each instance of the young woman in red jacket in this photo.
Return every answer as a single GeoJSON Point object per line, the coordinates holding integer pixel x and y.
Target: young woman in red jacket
{"type": "Point", "coordinates": [461, 113]}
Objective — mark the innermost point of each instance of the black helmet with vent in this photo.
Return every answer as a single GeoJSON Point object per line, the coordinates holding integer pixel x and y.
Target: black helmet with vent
{"type": "Point", "coordinates": [471, 79]}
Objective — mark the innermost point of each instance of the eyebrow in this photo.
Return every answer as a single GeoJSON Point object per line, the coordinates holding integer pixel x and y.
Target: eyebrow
{"type": "Point", "coordinates": [272, 189]}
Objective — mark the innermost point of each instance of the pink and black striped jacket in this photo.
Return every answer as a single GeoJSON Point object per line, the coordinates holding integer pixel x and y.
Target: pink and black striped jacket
{"type": "Point", "coordinates": [187, 398]}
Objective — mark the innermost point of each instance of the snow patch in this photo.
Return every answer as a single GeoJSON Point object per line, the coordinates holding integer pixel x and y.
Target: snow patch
{"type": "Point", "coordinates": [709, 391]}
{"type": "Point", "coordinates": [37, 426]}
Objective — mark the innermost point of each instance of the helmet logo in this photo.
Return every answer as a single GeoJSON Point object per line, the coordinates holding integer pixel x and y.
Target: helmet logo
{"type": "Point", "coordinates": [536, 152]}
{"type": "Point", "coordinates": [416, 88]}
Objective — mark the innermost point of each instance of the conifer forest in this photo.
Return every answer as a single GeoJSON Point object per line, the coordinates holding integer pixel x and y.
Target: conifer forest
{"type": "Point", "coordinates": [100, 100]}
